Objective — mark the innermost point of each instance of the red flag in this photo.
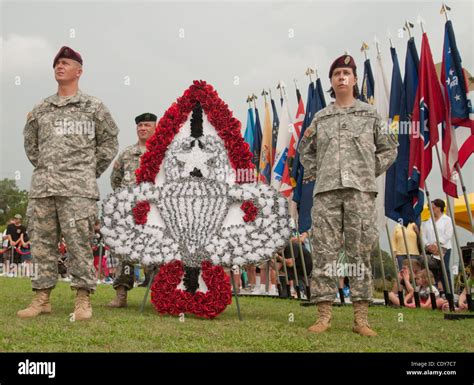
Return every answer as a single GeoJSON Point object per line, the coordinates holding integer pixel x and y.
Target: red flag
{"type": "Point", "coordinates": [451, 87]}
{"type": "Point", "coordinates": [286, 183]}
{"type": "Point", "coordinates": [428, 112]}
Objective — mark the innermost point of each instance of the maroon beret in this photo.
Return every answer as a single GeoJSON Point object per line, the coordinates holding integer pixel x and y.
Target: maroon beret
{"type": "Point", "coordinates": [342, 61]}
{"type": "Point", "coordinates": [67, 53]}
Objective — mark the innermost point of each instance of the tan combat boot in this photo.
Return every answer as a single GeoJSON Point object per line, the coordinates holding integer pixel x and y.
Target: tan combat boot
{"type": "Point", "coordinates": [83, 308]}
{"type": "Point", "coordinates": [39, 305]}
{"type": "Point", "coordinates": [120, 299]}
{"type": "Point", "coordinates": [324, 318]}
{"type": "Point", "coordinates": [361, 324]}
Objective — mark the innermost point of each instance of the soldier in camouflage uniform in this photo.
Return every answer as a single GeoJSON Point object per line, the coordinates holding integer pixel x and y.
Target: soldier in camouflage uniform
{"type": "Point", "coordinates": [123, 174]}
{"type": "Point", "coordinates": [70, 138]}
{"type": "Point", "coordinates": [345, 148]}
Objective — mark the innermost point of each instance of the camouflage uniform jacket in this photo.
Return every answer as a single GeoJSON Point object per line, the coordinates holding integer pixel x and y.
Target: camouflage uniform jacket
{"type": "Point", "coordinates": [70, 141]}
{"type": "Point", "coordinates": [123, 173]}
{"type": "Point", "coordinates": [347, 148]}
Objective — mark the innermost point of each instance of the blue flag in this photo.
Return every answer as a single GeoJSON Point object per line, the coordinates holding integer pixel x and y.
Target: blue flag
{"type": "Point", "coordinates": [368, 84]}
{"type": "Point", "coordinates": [257, 142]}
{"type": "Point", "coordinates": [275, 126]}
{"type": "Point", "coordinates": [398, 201]}
{"type": "Point", "coordinates": [410, 86]}
{"type": "Point", "coordinates": [303, 191]}
{"type": "Point", "coordinates": [249, 130]}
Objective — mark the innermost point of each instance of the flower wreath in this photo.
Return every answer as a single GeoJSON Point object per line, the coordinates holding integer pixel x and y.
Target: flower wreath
{"type": "Point", "coordinates": [188, 282]}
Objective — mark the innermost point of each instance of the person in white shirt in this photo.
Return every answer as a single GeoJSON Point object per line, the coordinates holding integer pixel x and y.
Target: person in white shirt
{"type": "Point", "coordinates": [444, 226]}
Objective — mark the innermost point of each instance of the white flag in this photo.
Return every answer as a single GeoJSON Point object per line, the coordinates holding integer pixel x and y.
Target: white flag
{"type": "Point", "coordinates": [381, 96]}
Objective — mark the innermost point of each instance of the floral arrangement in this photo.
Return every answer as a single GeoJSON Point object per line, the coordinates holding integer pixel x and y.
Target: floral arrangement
{"type": "Point", "coordinates": [194, 217]}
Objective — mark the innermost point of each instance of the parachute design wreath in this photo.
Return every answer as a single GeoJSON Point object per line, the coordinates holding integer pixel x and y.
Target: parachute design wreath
{"type": "Point", "coordinates": [193, 207]}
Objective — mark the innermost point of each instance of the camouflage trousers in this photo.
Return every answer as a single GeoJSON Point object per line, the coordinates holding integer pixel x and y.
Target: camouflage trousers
{"type": "Point", "coordinates": [125, 275]}
{"type": "Point", "coordinates": [343, 218]}
{"type": "Point", "coordinates": [73, 217]}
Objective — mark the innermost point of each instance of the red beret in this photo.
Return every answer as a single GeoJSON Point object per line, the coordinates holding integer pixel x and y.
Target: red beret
{"type": "Point", "coordinates": [342, 61]}
{"type": "Point", "coordinates": [67, 53]}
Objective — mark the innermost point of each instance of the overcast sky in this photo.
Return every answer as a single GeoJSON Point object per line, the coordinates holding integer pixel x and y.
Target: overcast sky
{"type": "Point", "coordinates": [140, 57]}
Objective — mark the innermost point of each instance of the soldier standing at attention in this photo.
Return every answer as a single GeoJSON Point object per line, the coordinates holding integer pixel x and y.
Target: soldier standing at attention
{"type": "Point", "coordinates": [345, 148]}
{"type": "Point", "coordinates": [123, 174]}
{"type": "Point", "coordinates": [70, 138]}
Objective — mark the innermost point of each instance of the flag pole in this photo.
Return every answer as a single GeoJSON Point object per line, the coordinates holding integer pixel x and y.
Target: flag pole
{"type": "Point", "coordinates": [445, 9]}
{"type": "Point", "coordinates": [447, 288]}
{"type": "Point", "coordinates": [303, 264]}
{"type": "Point", "coordinates": [296, 282]}
{"type": "Point", "coordinates": [385, 291]}
{"type": "Point", "coordinates": [466, 198]}
{"type": "Point", "coordinates": [364, 49]}
{"type": "Point", "coordinates": [287, 283]}
{"type": "Point", "coordinates": [407, 27]}
{"type": "Point", "coordinates": [277, 272]}
{"type": "Point", "coordinates": [416, 294]}
{"type": "Point", "coordinates": [308, 72]}
{"type": "Point", "coordinates": [249, 101]}
{"type": "Point", "coordinates": [389, 37]}
{"type": "Point", "coordinates": [400, 291]}
{"type": "Point", "coordinates": [233, 270]}
{"type": "Point", "coordinates": [264, 94]}
{"type": "Point", "coordinates": [279, 86]}
{"type": "Point", "coordinates": [456, 240]}
{"type": "Point", "coordinates": [425, 260]}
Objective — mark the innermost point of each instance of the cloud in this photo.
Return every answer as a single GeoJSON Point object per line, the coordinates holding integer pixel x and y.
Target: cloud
{"type": "Point", "coordinates": [23, 54]}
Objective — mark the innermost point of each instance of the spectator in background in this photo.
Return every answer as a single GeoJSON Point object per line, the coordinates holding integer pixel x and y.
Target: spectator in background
{"type": "Point", "coordinates": [308, 260]}
{"type": "Point", "coordinates": [444, 226]}
{"type": "Point", "coordinates": [405, 284]}
{"type": "Point", "coordinates": [62, 261]}
{"type": "Point", "coordinates": [424, 291]}
{"type": "Point", "coordinates": [5, 244]}
{"type": "Point", "coordinates": [15, 232]}
{"type": "Point", "coordinates": [398, 243]}
{"type": "Point", "coordinates": [98, 249]}
{"type": "Point", "coordinates": [25, 249]}
{"type": "Point", "coordinates": [112, 263]}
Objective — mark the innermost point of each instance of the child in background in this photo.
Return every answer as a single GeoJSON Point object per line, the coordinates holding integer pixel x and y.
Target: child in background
{"type": "Point", "coordinates": [405, 284]}
{"type": "Point", "coordinates": [422, 282]}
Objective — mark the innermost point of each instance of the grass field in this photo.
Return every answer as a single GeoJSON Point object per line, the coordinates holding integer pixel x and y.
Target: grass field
{"type": "Point", "coordinates": [269, 325]}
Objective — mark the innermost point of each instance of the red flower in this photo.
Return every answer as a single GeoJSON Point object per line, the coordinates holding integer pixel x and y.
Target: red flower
{"type": "Point", "coordinates": [250, 211]}
{"type": "Point", "coordinates": [167, 298]}
{"type": "Point", "coordinates": [140, 212]}
{"type": "Point", "coordinates": [218, 114]}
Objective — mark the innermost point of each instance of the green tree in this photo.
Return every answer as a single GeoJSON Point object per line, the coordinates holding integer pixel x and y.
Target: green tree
{"type": "Point", "coordinates": [12, 201]}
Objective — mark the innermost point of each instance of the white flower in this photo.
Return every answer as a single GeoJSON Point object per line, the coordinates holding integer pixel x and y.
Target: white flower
{"type": "Point", "coordinates": [239, 261]}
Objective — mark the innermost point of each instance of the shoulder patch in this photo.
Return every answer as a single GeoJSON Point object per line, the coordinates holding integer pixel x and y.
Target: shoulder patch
{"type": "Point", "coordinates": [309, 131]}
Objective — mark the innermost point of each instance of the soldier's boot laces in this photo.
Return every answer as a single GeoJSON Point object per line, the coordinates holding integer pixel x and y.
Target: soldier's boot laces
{"type": "Point", "coordinates": [361, 323]}
{"type": "Point", "coordinates": [324, 318]}
{"type": "Point", "coordinates": [120, 299]}
{"type": "Point", "coordinates": [83, 308]}
{"type": "Point", "coordinates": [39, 305]}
